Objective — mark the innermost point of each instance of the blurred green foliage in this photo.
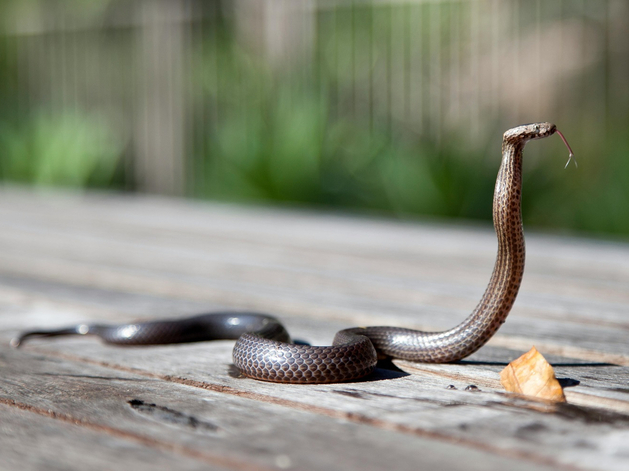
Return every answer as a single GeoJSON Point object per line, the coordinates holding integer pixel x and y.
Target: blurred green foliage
{"type": "Point", "coordinates": [286, 138]}
{"type": "Point", "coordinates": [297, 137]}
{"type": "Point", "coordinates": [67, 149]}
{"type": "Point", "coordinates": [286, 148]}
{"type": "Point", "coordinates": [593, 198]}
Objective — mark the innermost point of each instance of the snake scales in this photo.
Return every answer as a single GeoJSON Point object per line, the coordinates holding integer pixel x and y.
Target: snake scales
{"type": "Point", "coordinates": [263, 350]}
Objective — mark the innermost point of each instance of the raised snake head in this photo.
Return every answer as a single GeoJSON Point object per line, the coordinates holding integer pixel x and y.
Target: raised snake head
{"type": "Point", "coordinates": [528, 132]}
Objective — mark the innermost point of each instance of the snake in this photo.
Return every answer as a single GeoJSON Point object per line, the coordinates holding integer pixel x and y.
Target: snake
{"type": "Point", "coordinates": [264, 350]}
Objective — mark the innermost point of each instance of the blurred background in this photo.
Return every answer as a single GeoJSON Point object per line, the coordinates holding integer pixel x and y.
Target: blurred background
{"type": "Point", "coordinates": [394, 107]}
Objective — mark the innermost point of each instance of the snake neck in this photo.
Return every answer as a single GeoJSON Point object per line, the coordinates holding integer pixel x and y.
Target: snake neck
{"type": "Point", "coordinates": [500, 294]}
{"type": "Point", "coordinates": [504, 284]}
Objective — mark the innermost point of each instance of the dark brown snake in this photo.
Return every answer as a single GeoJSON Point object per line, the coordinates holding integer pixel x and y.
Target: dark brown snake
{"type": "Point", "coordinates": [263, 350]}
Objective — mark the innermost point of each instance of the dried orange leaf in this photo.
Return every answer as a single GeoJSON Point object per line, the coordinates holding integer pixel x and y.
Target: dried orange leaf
{"type": "Point", "coordinates": [531, 375]}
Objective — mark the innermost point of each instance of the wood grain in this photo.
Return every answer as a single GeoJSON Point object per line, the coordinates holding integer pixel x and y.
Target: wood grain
{"type": "Point", "coordinates": [68, 258]}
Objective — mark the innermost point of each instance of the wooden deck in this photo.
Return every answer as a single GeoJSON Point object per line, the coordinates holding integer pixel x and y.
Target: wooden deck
{"type": "Point", "coordinates": [75, 403]}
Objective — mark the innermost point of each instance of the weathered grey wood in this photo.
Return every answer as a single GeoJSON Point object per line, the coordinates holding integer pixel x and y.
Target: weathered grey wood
{"type": "Point", "coordinates": [419, 404]}
{"type": "Point", "coordinates": [66, 259]}
{"type": "Point", "coordinates": [409, 283]}
{"type": "Point", "coordinates": [218, 428]}
{"type": "Point", "coordinates": [32, 441]}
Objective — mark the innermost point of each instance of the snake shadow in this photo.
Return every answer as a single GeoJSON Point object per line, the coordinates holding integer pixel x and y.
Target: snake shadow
{"type": "Point", "coordinates": [385, 369]}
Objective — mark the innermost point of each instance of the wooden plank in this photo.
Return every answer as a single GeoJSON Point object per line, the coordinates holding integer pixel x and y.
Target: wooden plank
{"type": "Point", "coordinates": [242, 275]}
{"type": "Point", "coordinates": [413, 405]}
{"type": "Point", "coordinates": [66, 259]}
{"type": "Point", "coordinates": [247, 233]}
{"type": "Point", "coordinates": [37, 441]}
{"type": "Point", "coordinates": [230, 430]}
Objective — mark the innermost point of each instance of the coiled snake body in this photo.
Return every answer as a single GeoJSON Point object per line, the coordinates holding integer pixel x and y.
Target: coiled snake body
{"type": "Point", "coordinates": [263, 350]}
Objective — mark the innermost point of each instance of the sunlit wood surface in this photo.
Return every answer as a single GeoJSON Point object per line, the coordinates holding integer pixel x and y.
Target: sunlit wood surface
{"type": "Point", "coordinates": [75, 403]}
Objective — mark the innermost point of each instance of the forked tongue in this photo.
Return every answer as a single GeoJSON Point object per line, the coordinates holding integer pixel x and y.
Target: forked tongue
{"type": "Point", "coordinates": [571, 155]}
